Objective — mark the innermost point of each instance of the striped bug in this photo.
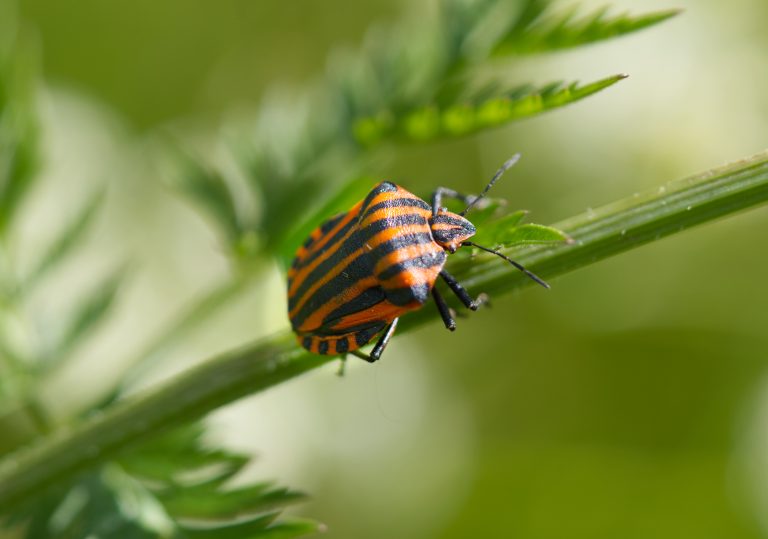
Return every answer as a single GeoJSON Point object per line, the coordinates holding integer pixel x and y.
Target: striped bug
{"type": "Point", "coordinates": [359, 271]}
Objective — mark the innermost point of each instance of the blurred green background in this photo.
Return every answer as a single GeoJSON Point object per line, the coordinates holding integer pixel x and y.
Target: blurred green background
{"type": "Point", "coordinates": [629, 401]}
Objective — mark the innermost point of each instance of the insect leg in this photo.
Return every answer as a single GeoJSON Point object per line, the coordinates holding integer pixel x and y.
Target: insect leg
{"type": "Point", "coordinates": [445, 312]}
{"type": "Point", "coordinates": [383, 341]}
{"type": "Point", "coordinates": [459, 290]}
{"type": "Point", "coordinates": [342, 366]}
{"type": "Point", "coordinates": [361, 355]}
{"type": "Point", "coordinates": [440, 192]}
{"type": "Point", "coordinates": [381, 344]}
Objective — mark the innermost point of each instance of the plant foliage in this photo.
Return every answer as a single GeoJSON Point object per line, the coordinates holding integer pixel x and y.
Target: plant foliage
{"type": "Point", "coordinates": [596, 234]}
{"type": "Point", "coordinates": [538, 29]}
{"type": "Point", "coordinates": [408, 84]}
{"type": "Point", "coordinates": [174, 486]}
{"type": "Point", "coordinates": [125, 475]}
{"type": "Point", "coordinates": [18, 129]}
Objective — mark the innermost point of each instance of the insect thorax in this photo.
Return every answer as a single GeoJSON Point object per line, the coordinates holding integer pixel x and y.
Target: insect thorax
{"type": "Point", "coordinates": [450, 229]}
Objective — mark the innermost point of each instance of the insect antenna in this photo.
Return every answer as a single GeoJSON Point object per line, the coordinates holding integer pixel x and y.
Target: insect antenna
{"type": "Point", "coordinates": [507, 165]}
{"type": "Point", "coordinates": [519, 266]}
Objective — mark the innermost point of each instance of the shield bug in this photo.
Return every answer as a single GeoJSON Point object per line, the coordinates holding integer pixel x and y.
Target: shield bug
{"type": "Point", "coordinates": [359, 271]}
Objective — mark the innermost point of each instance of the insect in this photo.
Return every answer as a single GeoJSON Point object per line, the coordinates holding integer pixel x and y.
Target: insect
{"type": "Point", "coordinates": [359, 271]}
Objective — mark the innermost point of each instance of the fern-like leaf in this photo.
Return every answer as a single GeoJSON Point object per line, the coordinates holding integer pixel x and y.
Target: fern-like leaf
{"type": "Point", "coordinates": [473, 115]}
{"type": "Point", "coordinates": [409, 83]}
{"type": "Point", "coordinates": [91, 311]}
{"type": "Point", "coordinates": [539, 31]}
{"type": "Point", "coordinates": [174, 487]}
{"type": "Point", "coordinates": [18, 131]}
{"type": "Point", "coordinates": [65, 243]}
{"type": "Point", "coordinates": [212, 192]}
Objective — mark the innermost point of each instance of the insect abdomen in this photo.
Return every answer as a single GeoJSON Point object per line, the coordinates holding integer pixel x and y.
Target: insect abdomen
{"type": "Point", "coordinates": [340, 344]}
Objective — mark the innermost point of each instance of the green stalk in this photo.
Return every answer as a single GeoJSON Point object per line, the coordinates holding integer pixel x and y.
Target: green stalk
{"type": "Point", "coordinates": [624, 225]}
{"type": "Point", "coordinates": [605, 232]}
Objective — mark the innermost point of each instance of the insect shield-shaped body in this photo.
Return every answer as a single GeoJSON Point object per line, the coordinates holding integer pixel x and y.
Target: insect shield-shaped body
{"type": "Point", "coordinates": [359, 271]}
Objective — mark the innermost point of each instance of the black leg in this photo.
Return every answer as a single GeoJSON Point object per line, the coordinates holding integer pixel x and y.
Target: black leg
{"type": "Point", "coordinates": [459, 290]}
{"type": "Point", "coordinates": [383, 341]}
{"type": "Point", "coordinates": [361, 355]}
{"type": "Point", "coordinates": [440, 192]}
{"type": "Point", "coordinates": [381, 344]}
{"type": "Point", "coordinates": [445, 312]}
{"type": "Point", "coordinates": [342, 366]}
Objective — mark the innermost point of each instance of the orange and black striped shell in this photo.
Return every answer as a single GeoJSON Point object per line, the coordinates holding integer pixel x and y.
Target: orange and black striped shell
{"type": "Point", "coordinates": [360, 270]}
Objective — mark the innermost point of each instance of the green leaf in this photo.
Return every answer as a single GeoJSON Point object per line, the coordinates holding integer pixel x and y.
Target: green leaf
{"type": "Point", "coordinates": [288, 529]}
{"type": "Point", "coordinates": [207, 503]}
{"type": "Point", "coordinates": [508, 232]}
{"type": "Point", "coordinates": [487, 210]}
{"type": "Point", "coordinates": [19, 137]}
{"type": "Point", "coordinates": [244, 529]}
{"type": "Point", "coordinates": [475, 114]}
{"type": "Point", "coordinates": [90, 506]}
{"type": "Point", "coordinates": [186, 477]}
{"type": "Point", "coordinates": [471, 31]}
{"type": "Point", "coordinates": [544, 32]}
{"type": "Point", "coordinates": [288, 172]}
{"type": "Point", "coordinates": [489, 232]}
{"type": "Point", "coordinates": [531, 234]}
{"type": "Point", "coordinates": [18, 165]}
{"type": "Point", "coordinates": [209, 468]}
{"type": "Point", "coordinates": [70, 237]}
{"type": "Point", "coordinates": [260, 527]}
{"type": "Point", "coordinates": [184, 497]}
{"type": "Point", "coordinates": [212, 192]}
{"type": "Point", "coordinates": [192, 464]}
{"type": "Point", "coordinates": [91, 311]}
{"type": "Point", "coordinates": [153, 469]}
{"type": "Point", "coordinates": [407, 84]}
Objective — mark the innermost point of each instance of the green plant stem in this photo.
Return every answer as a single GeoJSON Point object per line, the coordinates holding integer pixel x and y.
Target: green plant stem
{"type": "Point", "coordinates": [189, 396]}
{"type": "Point", "coordinates": [623, 225]}
{"type": "Point", "coordinates": [607, 231]}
